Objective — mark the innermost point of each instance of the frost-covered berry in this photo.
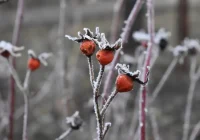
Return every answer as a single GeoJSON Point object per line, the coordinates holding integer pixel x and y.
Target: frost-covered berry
{"type": "Point", "coordinates": [87, 47]}
{"type": "Point", "coordinates": [33, 64]}
{"type": "Point", "coordinates": [105, 56]}
{"type": "Point", "coordinates": [124, 83]}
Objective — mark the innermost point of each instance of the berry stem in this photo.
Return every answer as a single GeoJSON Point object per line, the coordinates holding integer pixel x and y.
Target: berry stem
{"type": "Point", "coordinates": [143, 94]}
{"type": "Point", "coordinates": [25, 119]}
{"type": "Point", "coordinates": [130, 21]}
{"type": "Point", "coordinates": [15, 38]}
{"type": "Point", "coordinates": [96, 104]}
{"type": "Point", "coordinates": [108, 101]}
{"type": "Point", "coordinates": [27, 79]}
{"type": "Point", "coordinates": [91, 70]}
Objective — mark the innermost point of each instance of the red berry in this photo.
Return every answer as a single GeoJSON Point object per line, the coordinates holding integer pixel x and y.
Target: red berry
{"type": "Point", "coordinates": [87, 47]}
{"type": "Point", "coordinates": [33, 64]}
{"type": "Point", "coordinates": [124, 83]}
{"type": "Point", "coordinates": [105, 56]}
{"type": "Point", "coordinates": [5, 54]}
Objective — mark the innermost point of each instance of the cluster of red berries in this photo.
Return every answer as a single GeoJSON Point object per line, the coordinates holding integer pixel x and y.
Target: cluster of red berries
{"type": "Point", "coordinates": [89, 41]}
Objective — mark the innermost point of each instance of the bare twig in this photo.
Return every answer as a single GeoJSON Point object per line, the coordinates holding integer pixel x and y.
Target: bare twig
{"type": "Point", "coordinates": [109, 100]}
{"type": "Point", "coordinates": [164, 79]}
{"type": "Point", "coordinates": [25, 119]}
{"type": "Point", "coordinates": [91, 71]}
{"type": "Point", "coordinates": [190, 96]}
{"type": "Point", "coordinates": [15, 37]}
{"type": "Point", "coordinates": [116, 19]}
{"type": "Point", "coordinates": [96, 104]}
{"type": "Point", "coordinates": [65, 134]}
{"type": "Point", "coordinates": [129, 23]}
{"type": "Point", "coordinates": [154, 126]}
{"type": "Point", "coordinates": [27, 79]}
{"type": "Point", "coordinates": [195, 131]}
{"type": "Point", "coordinates": [142, 118]}
{"type": "Point", "coordinates": [106, 128]}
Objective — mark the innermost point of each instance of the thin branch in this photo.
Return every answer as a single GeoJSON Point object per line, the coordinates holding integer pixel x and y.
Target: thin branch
{"type": "Point", "coordinates": [116, 19]}
{"type": "Point", "coordinates": [154, 126]}
{"type": "Point", "coordinates": [164, 79]}
{"type": "Point", "coordinates": [25, 119]}
{"type": "Point", "coordinates": [188, 109]}
{"type": "Point", "coordinates": [96, 104]}
{"type": "Point", "coordinates": [27, 79]}
{"type": "Point", "coordinates": [129, 23]}
{"type": "Point", "coordinates": [15, 38]}
{"type": "Point", "coordinates": [65, 134]}
{"type": "Point", "coordinates": [142, 101]}
{"type": "Point", "coordinates": [106, 128]}
{"type": "Point", "coordinates": [109, 100]}
{"type": "Point", "coordinates": [195, 131]}
{"type": "Point", "coordinates": [91, 71]}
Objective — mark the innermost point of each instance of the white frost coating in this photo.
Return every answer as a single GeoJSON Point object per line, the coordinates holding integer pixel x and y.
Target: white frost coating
{"type": "Point", "coordinates": [123, 68]}
{"type": "Point", "coordinates": [141, 124]}
{"type": "Point", "coordinates": [143, 36]}
{"type": "Point", "coordinates": [72, 38]}
{"type": "Point", "coordinates": [43, 57]}
{"type": "Point", "coordinates": [6, 46]}
{"type": "Point", "coordinates": [180, 50]}
{"type": "Point", "coordinates": [161, 34]}
{"type": "Point", "coordinates": [191, 43]}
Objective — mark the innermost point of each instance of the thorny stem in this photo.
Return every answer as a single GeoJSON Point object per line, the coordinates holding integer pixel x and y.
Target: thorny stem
{"type": "Point", "coordinates": [129, 23]}
{"type": "Point", "coordinates": [65, 134]}
{"type": "Point", "coordinates": [142, 101]}
{"type": "Point", "coordinates": [190, 96]}
{"type": "Point", "coordinates": [15, 37]}
{"type": "Point", "coordinates": [91, 71]}
{"type": "Point", "coordinates": [195, 131]}
{"type": "Point", "coordinates": [96, 104]}
{"type": "Point", "coordinates": [164, 79]}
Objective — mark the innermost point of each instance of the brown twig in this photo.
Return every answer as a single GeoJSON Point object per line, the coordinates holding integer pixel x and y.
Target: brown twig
{"type": "Point", "coordinates": [15, 37]}
{"type": "Point", "coordinates": [129, 23]}
{"type": "Point", "coordinates": [142, 101]}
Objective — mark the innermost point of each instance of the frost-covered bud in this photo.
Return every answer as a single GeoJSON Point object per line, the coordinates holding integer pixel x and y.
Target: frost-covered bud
{"type": "Point", "coordinates": [193, 46]}
{"type": "Point", "coordinates": [7, 49]}
{"type": "Point", "coordinates": [74, 121]}
{"type": "Point", "coordinates": [161, 38]}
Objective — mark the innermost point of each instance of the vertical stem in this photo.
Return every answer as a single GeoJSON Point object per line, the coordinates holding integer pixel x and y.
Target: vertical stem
{"type": "Point", "coordinates": [188, 109]}
{"type": "Point", "coordinates": [195, 131]}
{"type": "Point", "coordinates": [15, 37]}
{"type": "Point", "coordinates": [27, 79]}
{"type": "Point", "coordinates": [142, 112]}
{"type": "Point", "coordinates": [91, 71]}
{"type": "Point", "coordinates": [25, 120]}
{"type": "Point", "coordinates": [96, 104]}
{"type": "Point", "coordinates": [129, 23]}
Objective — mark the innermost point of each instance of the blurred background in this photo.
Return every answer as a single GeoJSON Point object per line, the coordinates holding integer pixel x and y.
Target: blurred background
{"type": "Point", "coordinates": [63, 87]}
